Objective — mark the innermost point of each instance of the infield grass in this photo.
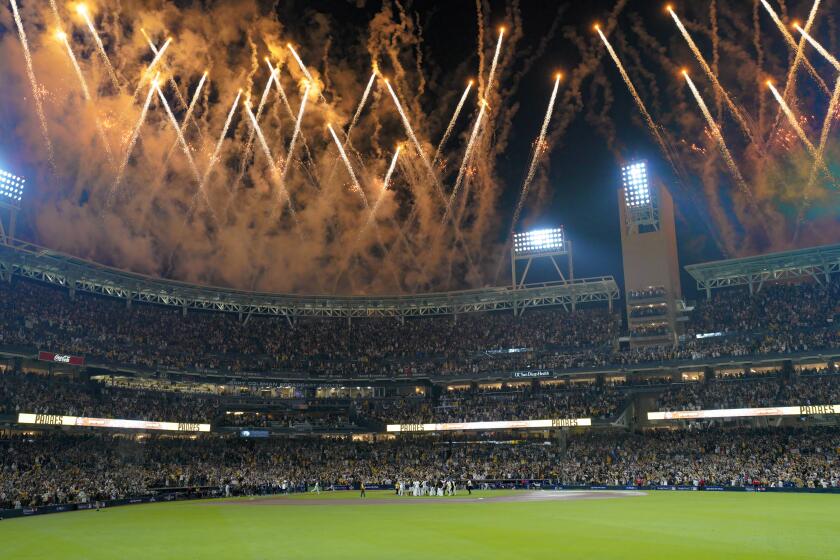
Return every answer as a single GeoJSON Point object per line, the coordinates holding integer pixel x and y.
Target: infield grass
{"type": "Point", "coordinates": [661, 525]}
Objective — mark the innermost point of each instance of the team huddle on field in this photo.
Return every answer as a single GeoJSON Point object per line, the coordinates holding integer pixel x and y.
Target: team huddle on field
{"type": "Point", "coordinates": [441, 487]}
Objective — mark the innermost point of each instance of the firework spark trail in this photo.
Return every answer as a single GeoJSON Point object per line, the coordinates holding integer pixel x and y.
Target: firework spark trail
{"type": "Point", "coordinates": [186, 150]}
{"type": "Point", "coordinates": [290, 152]}
{"type": "Point", "coordinates": [132, 141]}
{"type": "Point", "coordinates": [639, 103]}
{"type": "Point", "coordinates": [452, 121]}
{"type": "Point", "coordinates": [410, 132]}
{"type": "Point", "coordinates": [62, 36]}
{"type": "Point", "coordinates": [711, 75]}
{"type": "Point", "coordinates": [792, 44]}
{"type": "Point", "coordinates": [356, 186]}
{"type": "Point", "coordinates": [727, 156]}
{"type": "Point", "coordinates": [304, 69]}
{"type": "Point", "coordinates": [82, 10]}
{"type": "Point", "coordinates": [361, 106]}
{"type": "Point", "coordinates": [275, 173]}
{"type": "Point", "coordinates": [214, 158]}
{"type": "Point", "coordinates": [539, 150]}
{"type": "Point", "coordinates": [282, 93]}
{"type": "Point", "coordinates": [184, 124]}
{"type": "Point", "coordinates": [801, 133]}
{"type": "Point", "coordinates": [465, 162]}
{"type": "Point", "coordinates": [385, 183]}
{"type": "Point", "coordinates": [147, 72]}
{"type": "Point", "coordinates": [820, 49]}
{"type": "Point", "coordinates": [799, 55]}
{"type": "Point", "coordinates": [30, 72]}
{"type": "Point", "coordinates": [493, 65]}
{"type": "Point", "coordinates": [249, 143]}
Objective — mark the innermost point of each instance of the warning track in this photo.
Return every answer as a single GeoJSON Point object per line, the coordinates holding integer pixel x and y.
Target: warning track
{"type": "Point", "coordinates": [521, 497]}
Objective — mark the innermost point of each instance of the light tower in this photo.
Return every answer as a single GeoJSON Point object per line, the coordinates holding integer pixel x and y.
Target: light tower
{"type": "Point", "coordinates": [649, 250]}
{"type": "Point", "coordinates": [542, 244]}
{"type": "Point", "coordinates": [11, 193]}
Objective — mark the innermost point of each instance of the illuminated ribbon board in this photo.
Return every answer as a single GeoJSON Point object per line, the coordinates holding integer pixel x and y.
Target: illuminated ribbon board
{"type": "Point", "coordinates": [500, 425]}
{"type": "Point", "coordinates": [80, 421]}
{"type": "Point", "coordinates": [808, 410]}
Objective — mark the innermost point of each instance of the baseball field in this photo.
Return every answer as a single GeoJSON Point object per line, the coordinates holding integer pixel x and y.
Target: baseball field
{"type": "Point", "coordinates": [493, 524]}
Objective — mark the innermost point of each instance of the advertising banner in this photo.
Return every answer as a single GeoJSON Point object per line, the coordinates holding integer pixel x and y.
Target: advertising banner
{"type": "Point", "coordinates": [804, 410]}
{"type": "Point", "coordinates": [61, 358]}
{"type": "Point", "coordinates": [58, 420]}
{"type": "Point", "coordinates": [500, 425]}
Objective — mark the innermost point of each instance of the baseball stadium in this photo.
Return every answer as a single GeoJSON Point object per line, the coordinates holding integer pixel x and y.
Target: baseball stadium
{"type": "Point", "coordinates": [412, 279]}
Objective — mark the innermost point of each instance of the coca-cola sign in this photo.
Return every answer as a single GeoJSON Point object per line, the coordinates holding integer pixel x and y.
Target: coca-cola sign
{"type": "Point", "coordinates": [61, 358]}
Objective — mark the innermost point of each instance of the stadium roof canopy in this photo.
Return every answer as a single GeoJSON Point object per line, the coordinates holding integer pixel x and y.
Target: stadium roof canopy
{"type": "Point", "coordinates": [31, 261]}
{"type": "Point", "coordinates": [817, 262]}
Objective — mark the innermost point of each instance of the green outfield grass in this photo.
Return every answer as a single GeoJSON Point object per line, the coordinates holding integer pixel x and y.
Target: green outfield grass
{"type": "Point", "coordinates": [666, 525]}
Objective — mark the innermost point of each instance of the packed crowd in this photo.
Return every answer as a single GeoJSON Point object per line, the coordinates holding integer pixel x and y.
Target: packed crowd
{"type": "Point", "coordinates": [62, 468]}
{"type": "Point", "coordinates": [780, 319]}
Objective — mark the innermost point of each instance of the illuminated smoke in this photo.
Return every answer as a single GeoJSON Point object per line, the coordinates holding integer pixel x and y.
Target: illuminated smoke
{"type": "Point", "coordinates": [132, 141]}
{"type": "Point", "coordinates": [184, 124]}
{"type": "Point", "coordinates": [452, 122]}
{"type": "Point", "coordinates": [82, 10]}
{"type": "Point", "coordinates": [148, 71]}
{"type": "Point", "coordinates": [36, 94]}
{"type": "Point", "coordinates": [246, 149]}
{"type": "Point", "coordinates": [711, 75]}
{"type": "Point", "coordinates": [727, 156]}
{"type": "Point", "coordinates": [539, 150]}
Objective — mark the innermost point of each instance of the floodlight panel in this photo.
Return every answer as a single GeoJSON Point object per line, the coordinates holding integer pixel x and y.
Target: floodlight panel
{"type": "Point", "coordinates": [11, 186]}
{"type": "Point", "coordinates": [548, 240]}
{"type": "Point", "coordinates": [636, 185]}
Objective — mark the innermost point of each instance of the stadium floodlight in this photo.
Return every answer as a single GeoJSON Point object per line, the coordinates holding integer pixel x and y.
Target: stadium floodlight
{"type": "Point", "coordinates": [640, 198]}
{"type": "Point", "coordinates": [540, 241]}
{"type": "Point", "coordinates": [636, 185]}
{"type": "Point", "coordinates": [11, 188]}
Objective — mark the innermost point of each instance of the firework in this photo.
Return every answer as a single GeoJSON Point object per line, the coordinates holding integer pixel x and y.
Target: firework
{"type": "Point", "coordinates": [299, 61]}
{"type": "Point", "coordinates": [820, 49]}
{"type": "Point", "coordinates": [361, 106]}
{"type": "Point", "coordinates": [185, 123]}
{"type": "Point", "coordinates": [385, 182]}
{"type": "Point", "coordinates": [36, 95]}
{"type": "Point", "coordinates": [275, 174]}
{"type": "Point", "coordinates": [291, 150]}
{"type": "Point", "coordinates": [798, 129]}
{"type": "Point", "coordinates": [727, 156]}
{"type": "Point", "coordinates": [249, 143]}
{"type": "Point", "coordinates": [452, 122]}
{"type": "Point", "coordinates": [82, 10]}
{"type": "Point", "coordinates": [711, 75]}
{"type": "Point", "coordinates": [539, 150]}
{"type": "Point", "coordinates": [798, 57]}
{"type": "Point", "coordinates": [466, 161]}
{"type": "Point", "coordinates": [495, 62]}
{"type": "Point", "coordinates": [792, 44]}
{"type": "Point", "coordinates": [155, 60]}
{"type": "Point", "coordinates": [214, 158]}
{"type": "Point", "coordinates": [826, 130]}
{"type": "Point", "coordinates": [654, 130]}
{"type": "Point", "coordinates": [185, 148]}
{"type": "Point", "coordinates": [280, 89]}
{"type": "Point", "coordinates": [62, 36]}
{"type": "Point", "coordinates": [132, 141]}
{"type": "Point", "coordinates": [172, 82]}
{"type": "Point", "coordinates": [410, 132]}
